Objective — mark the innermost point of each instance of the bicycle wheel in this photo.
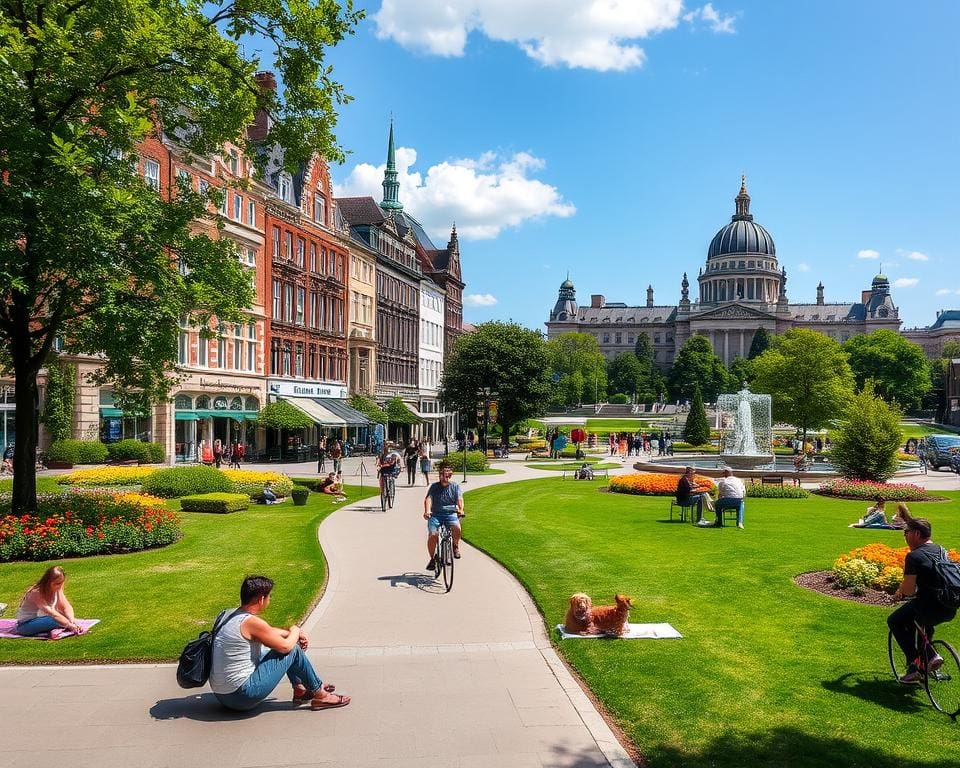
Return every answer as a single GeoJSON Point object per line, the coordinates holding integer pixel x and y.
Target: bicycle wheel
{"type": "Point", "coordinates": [943, 685]}
{"type": "Point", "coordinates": [898, 662]}
{"type": "Point", "coordinates": [391, 491]}
{"type": "Point", "coordinates": [446, 561]}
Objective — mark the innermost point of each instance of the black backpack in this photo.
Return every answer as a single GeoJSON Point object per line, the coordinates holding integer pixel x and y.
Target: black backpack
{"type": "Point", "coordinates": [193, 670]}
{"type": "Point", "coordinates": [948, 581]}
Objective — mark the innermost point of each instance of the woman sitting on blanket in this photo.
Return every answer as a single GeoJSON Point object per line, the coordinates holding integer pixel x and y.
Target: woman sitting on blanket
{"type": "Point", "coordinates": [45, 608]}
{"type": "Point", "coordinates": [875, 514]}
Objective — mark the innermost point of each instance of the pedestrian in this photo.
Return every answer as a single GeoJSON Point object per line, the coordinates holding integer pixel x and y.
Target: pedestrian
{"type": "Point", "coordinates": [335, 452]}
{"type": "Point", "coordinates": [236, 453]}
{"type": "Point", "coordinates": [410, 459]}
{"type": "Point", "coordinates": [322, 454]}
{"type": "Point", "coordinates": [426, 462]}
{"type": "Point", "coordinates": [218, 452]}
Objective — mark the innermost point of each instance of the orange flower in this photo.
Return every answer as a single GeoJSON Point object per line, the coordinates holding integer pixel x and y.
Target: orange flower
{"type": "Point", "coordinates": [652, 483]}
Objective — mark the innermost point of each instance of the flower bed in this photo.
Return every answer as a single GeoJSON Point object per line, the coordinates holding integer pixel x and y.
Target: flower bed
{"type": "Point", "coordinates": [81, 523]}
{"type": "Point", "coordinates": [106, 476]}
{"type": "Point", "coordinates": [653, 484]}
{"type": "Point", "coordinates": [251, 483]}
{"type": "Point", "coordinates": [868, 490]}
{"type": "Point", "coordinates": [875, 565]}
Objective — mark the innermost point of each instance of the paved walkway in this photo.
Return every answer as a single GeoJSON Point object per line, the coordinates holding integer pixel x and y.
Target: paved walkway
{"type": "Point", "coordinates": [461, 679]}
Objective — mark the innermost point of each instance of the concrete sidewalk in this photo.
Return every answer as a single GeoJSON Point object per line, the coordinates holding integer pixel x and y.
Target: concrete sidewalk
{"type": "Point", "coordinates": [461, 679]}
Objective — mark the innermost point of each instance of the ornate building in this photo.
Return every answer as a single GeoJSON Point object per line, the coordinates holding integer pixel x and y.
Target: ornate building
{"type": "Point", "coordinates": [741, 288]}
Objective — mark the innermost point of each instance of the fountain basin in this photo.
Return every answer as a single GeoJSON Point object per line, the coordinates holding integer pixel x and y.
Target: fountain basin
{"type": "Point", "coordinates": [748, 461]}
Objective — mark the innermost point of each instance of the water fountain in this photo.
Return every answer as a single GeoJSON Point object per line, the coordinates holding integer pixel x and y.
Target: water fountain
{"type": "Point", "coordinates": [746, 440]}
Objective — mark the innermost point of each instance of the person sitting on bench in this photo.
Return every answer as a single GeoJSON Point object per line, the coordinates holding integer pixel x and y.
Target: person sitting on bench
{"type": "Point", "coordinates": [731, 492]}
{"type": "Point", "coordinates": [584, 473]}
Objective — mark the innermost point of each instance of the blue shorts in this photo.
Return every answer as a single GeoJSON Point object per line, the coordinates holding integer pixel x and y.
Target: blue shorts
{"type": "Point", "coordinates": [436, 520]}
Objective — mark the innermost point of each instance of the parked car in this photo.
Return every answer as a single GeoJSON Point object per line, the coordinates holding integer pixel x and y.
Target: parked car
{"type": "Point", "coordinates": [940, 449]}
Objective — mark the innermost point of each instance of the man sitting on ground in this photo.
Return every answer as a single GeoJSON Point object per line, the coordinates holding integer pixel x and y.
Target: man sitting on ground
{"type": "Point", "coordinates": [331, 485]}
{"type": "Point", "coordinates": [267, 495]}
{"type": "Point", "coordinates": [732, 493]}
{"type": "Point", "coordinates": [689, 494]}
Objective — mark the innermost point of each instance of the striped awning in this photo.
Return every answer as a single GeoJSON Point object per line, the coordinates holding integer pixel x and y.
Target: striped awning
{"type": "Point", "coordinates": [312, 408]}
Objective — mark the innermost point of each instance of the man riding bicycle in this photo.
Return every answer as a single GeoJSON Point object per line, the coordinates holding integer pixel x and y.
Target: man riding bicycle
{"type": "Point", "coordinates": [388, 463]}
{"type": "Point", "coordinates": [919, 580]}
{"type": "Point", "coordinates": [443, 505]}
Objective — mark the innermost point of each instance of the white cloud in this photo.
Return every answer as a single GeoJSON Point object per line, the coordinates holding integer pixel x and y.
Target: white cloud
{"type": "Point", "coordinates": [868, 253]}
{"type": "Point", "coordinates": [717, 22]}
{"type": "Point", "coordinates": [803, 267]}
{"type": "Point", "coordinates": [915, 255]}
{"type": "Point", "coordinates": [481, 195]}
{"type": "Point", "coordinates": [586, 34]}
{"type": "Point", "coordinates": [905, 282]}
{"type": "Point", "coordinates": [479, 299]}
{"type": "Point", "coordinates": [944, 292]}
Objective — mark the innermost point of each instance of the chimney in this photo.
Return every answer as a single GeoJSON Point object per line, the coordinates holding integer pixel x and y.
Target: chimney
{"type": "Point", "coordinates": [865, 297]}
{"type": "Point", "coordinates": [261, 120]}
{"type": "Point", "coordinates": [649, 295]}
{"type": "Point", "coordinates": [597, 301]}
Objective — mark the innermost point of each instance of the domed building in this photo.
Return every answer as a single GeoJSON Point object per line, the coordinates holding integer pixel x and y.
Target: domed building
{"type": "Point", "coordinates": [741, 288]}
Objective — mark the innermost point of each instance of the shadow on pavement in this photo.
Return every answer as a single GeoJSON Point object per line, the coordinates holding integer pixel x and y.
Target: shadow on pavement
{"type": "Point", "coordinates": [884, 691]}
{"type": "Point", "coordinates": [419, 580]}
{"type": "Point", "coordinates": [205, 708]}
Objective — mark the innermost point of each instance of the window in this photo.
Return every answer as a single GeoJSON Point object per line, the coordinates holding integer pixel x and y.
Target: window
{"type": "Point", "coordinates": [221, 348]}
{"type": "Point", "coordinates": [204, 187]}
{"type": "Point", "coordinates": [250, 257]}
{"type": "Point", "coordinates": [251, 213]}
{"type": "Point", "coordinates": [301, 252]}
{"type": "Point", "coordinates": [313, 257]}
{"type": "Point", "coordinates": [203, 345]}
{"type": "Point", "coordinates": [288, 303]}
{"type": "Point", "coordinates": [606, 338]}
{"type": "Point", "coordinates": [183, 348]}
{"type": "Point", "coordinates": [323, 261]}
{"type": "Point", "coordinates": [286, 358]}
{"type": "Point", "coordinates": [237, 353]}
{"type": "Point", "coordinates": [276, 242]}
{"type": "Point", "coordinates": [319, 209]}
{"type": "Point", "coordinates": [301, 301]}
{"type": "Point", "coordinates": [298, 363]}
{"type": "Point", "coordinates": [251, 356]}
{"type": "Point", "coordinates": [238, 208]}
{"type": "Point", "coordinates": [151, 173]}
{"type": "Point", "coordinates": [183, 175]}
{"type": "Point", "coordinates": [618, 338]}
{"type": "Point", "coordinates": [283, 187]}
{"type": "Point", "coordinates": [234, 162]}
{"type": "Point", "coordinates": [276, 299]}
{"type": "Point", "coordinates": [288, 245]}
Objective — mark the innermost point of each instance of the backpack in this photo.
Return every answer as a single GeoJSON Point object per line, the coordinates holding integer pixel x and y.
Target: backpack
{"type": "Point", "coordinates": [193, 669]}
{"type": "Point", "coordinates": [948, 581]}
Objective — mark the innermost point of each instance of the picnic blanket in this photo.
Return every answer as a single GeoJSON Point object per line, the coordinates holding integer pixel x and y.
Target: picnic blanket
{"type": "Point", "coordinates": [876, 526]}
{"type": "Point", "coordinates": [634, 632]}
{"type": "Point", "coordinates": [8, 630]}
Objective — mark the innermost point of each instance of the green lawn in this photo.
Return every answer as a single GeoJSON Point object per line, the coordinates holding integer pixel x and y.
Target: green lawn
{"type": "Point", "coordinates": [922, 430]}
{"type": "Point", "coordinates": [150, 603]}
{"type": "Point", "coordinates": [767, 674]}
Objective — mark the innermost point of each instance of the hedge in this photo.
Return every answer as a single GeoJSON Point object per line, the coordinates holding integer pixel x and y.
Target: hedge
{"type": "Point", "coordinates": [127, 450]}
{"type": "Point", "coordinates": [476, 461]}
{"type": "Point", "coordinates": [219, 503]}
{"type": "Point", "coordinates": [185, 481]}
{"type": "Point", "coordinates": [760, 491]}
{"type": "Point", "coordinates": [77, 451]}
{"type": "Point", "coordinates": [251, 483]}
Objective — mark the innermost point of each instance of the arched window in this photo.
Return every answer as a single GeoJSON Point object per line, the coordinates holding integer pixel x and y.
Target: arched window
{"type": "Point", "coordinates": [203, 402]}
{"type": "Point", "coordinates": [236, 404]}
{"type": "Point", "coordinates": [183, 403]}
{"type": "Point", "coordinates": [253, 404]}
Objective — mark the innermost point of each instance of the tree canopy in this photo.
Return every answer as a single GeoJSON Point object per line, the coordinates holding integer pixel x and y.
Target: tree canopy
{"type": "Point", "coordinates": [760, 343]}
{"type": "Point", "coordinates": [510, 361]}
{"type": "Point", "coordinates": [625, 375]}
{"type": "Point", "coordinates": [89, 249]}
{"type": "Point", "coordinates": [398, 413]}
{"type": "Point", "coordinates": [697, 364]}
{"type": "Point", "coordinates": [808, 377]}
{"type": "Point", "coordinates": [282, 415]}
{"type": "Point", "coordinates": [582, 368]}
{"type": "Point", "coordinates": [897, 366]}
{"type": "Point", "coordinates": [368, 408]}
{"type": "Point", "coordinates": [866, 444]}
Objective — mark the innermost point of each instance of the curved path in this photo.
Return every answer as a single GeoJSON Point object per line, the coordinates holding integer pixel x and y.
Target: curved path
{"type": "Point", "coordinates": [461, 679]}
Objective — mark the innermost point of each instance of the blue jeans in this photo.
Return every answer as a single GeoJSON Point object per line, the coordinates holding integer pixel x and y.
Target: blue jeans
{"type": "Point", "coordinates": [695, 500]}
{"type": "Point", "coordinates": [729, 503]}
{"type": "Point", "coordinates": [270, 670]}
{"type": "Point", "coordinates": [37, 626]}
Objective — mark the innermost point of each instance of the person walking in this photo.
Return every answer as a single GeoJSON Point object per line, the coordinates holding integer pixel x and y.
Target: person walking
{"type": "Point", "coordinates": [218, 452]}
{"type": "Point", "coordinates": [335, 451]}
{"type": "Point", "coordinates": [410, 460]}
{"type": "Point", "coordinates": [426, 460]}
{"type": "Point", "coordinates": [322, 454]}
{"type": "Point", "coordinates": [236, 453]}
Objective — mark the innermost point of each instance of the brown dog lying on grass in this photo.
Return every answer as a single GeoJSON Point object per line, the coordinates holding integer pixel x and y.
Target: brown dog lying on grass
{"type": "Point", "coordinates": [611, 619]}
{"type": "Point", "coordinates": [579, 618]}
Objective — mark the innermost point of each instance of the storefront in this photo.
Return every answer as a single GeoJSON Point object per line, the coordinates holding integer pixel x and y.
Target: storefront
{"type": "Point", "coordinates": [116, 425]}
{"type": "Point", "coordinates": [206, 410]}
{"type": "Point", "coordinates": [325, 403]}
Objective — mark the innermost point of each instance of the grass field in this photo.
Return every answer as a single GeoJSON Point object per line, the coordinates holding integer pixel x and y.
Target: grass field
{"type": "Point", "coordinates": [767, 674]}
{"type": "Point", "coordinates": [151, 603]}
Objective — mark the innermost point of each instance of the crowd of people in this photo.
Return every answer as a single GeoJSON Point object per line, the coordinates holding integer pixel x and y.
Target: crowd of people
{"type": "Point", "coordinates": [626, 444]}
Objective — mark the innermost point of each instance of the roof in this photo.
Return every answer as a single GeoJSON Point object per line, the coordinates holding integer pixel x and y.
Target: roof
{"type": "Point", "coordinates": [359, 211]}
{"type": "Point", "coordinates": [949, 318]}
{"type": "Point", "coordinates": [625, 314]}
{"type": "Point", "coordinates": [744, 237]}
{"type": "Point", "coordinates": [826, 313]}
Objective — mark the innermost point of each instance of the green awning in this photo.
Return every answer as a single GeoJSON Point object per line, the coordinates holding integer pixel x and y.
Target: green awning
{"type": "Point", "coordinates": [204, 413]}
{"type": "Point", "coordinates": [111, 413]}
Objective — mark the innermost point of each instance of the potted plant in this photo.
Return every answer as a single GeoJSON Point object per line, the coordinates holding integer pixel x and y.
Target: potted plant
{"type": "Point", "coordinates": [299, 496]}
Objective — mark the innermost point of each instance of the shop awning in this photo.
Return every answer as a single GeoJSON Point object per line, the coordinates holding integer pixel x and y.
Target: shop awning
{"type": "Point", "coordinates": [351, 416]}
{"type": "Point", "coordinates": [111, 413]}
{"type": "Point", "coordinates": [207, 413]}
{"type": "Point", "coordinates": [314, 410]}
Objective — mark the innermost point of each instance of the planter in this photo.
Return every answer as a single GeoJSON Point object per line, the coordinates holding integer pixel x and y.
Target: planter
{"type": "Point", "coordinates": [299, 496]}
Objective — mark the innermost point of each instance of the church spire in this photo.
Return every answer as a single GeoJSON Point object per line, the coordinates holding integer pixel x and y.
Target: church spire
{"type": "Point", "coordinates": [743, 202]}
{"type": "Point", "coordinates": [391, 187]}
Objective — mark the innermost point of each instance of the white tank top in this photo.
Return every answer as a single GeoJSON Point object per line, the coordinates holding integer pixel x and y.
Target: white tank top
{"type": "Point", "coordinates": [234, 658]}
{"type": "Point", "coordinates": [28, 611]}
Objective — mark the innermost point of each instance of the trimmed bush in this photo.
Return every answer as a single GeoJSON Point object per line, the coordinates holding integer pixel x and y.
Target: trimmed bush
{"type": "Point", "coordinates": [476, 461]}
{"type": "Point", "coordinates": [129, 450]}
{"type": "Point", "coordinates": [186, 481]}
{"type": "Point", "coordinates": [77, 451]}
{"type": "Point", "coordinates": [619, 399]}
{"type": "Point", "coordinates": [760, 491]}
{"type": "Point", "coordinates": [80, 524]}
{"type": "Point", "coordinates": [104, 476]}
{"type": "Point", "coordinates": [217, 503]}
{"type": "Point", "coordinates": [251, 483]}
{"type": "Point", "coordinates": [299, 496]}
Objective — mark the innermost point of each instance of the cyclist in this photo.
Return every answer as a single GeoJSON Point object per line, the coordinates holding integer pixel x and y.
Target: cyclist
{"type": "Point", "coordinates": [440, 498]}
{"type": "Point", "coordinates": [919, 580]}
{"type": "Point", "coordinates": [388, 463]}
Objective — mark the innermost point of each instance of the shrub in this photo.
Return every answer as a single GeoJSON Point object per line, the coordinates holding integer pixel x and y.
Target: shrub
{"type": "Point", "coordinates": [683, 447]}
{"type": "Point", "coordinates": [105, 476]}
{"type": "Point", "coordinates": [81, 523]}
{"type": "Point", "coordinates": [77, 451]}
{"type": "Point", "coordinates": [185, 481]}
{"type": "Point", "coordinates": [865, 446]}
{"type": "Point", "coordinates": [619, 399]}
{"type": "Point", "coordinates": [251, 483]}
{"type": "Point", "coordinates": [218, 503]}
{"type": "Point", "coordinates": [653, 484]}
{"type": "Point", "coordinates": [856, 574]}
{"type": "Point", "coordinates": [696, 430]}
{"type": "Point", "coordinates": [476, 461]}
{"type": "Point", "coordinates": [129, 450]}
{"type": "Point", "coordinates": [760, 491]}
{"type": "Point", "coordinates": [875, 565]}
{"type": "Point", "coordinates": [868, 491]}
{"type": "Point", "coordinates": [155, 453]}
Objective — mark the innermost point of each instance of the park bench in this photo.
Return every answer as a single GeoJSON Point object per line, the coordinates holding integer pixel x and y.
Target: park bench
{"type": "Point", "coordinates": [572, 472]}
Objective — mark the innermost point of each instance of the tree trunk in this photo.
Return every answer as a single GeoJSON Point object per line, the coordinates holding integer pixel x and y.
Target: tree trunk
{"type": "Point", "coordinates": [25, 455]}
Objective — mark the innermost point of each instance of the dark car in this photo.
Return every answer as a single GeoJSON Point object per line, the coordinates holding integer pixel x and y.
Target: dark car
{"type": "Point", "coordinates": [940, 450]}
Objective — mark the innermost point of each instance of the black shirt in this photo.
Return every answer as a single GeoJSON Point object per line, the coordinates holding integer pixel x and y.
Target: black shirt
{"type": "Point", "coordinates": [919, 562]}
{"type": "Point", "coordinates": [684, 489]}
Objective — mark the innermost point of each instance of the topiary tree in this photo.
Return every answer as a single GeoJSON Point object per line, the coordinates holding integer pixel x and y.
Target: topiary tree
{"type": "Point", "coordinates": [866, 444]}
{"type": "Point", "coordinates": [760, 343]}
{"type": "Point", "coordinates": [282, 415]}
{"type": "Point", "coordinates": [697, 429]}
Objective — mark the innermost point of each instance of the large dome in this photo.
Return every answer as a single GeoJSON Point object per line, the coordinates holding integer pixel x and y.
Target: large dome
{"type": "Point", "coordinates": [742, 235]}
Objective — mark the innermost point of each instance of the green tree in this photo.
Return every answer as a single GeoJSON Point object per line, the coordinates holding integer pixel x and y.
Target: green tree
{"type": "Point", "coordinates": [624, 374]}
{"type": "Point", "coordinates": [282, 415]}
{"type": "Point", "coordinates": [581, 365]}
{"type": "Point", "coordinates": [696, 430]}
{"type": "Point", "coordinates": [740, 371]}
{"type": "Point", "coordinates": [951, 349]}
{"type": "Point", "coordinates": [510, 361]}
{"type": "Point", "coordinates": [88, 248]}
{"type": "Point", "coordinates": [697, 364]}
{"type": "Point", "coordinates": [898, 367]}
{"type": "Point", "coordinates": [866, 444]}
{"type": "Point", "coordinates": [760, 343]}
{"type": "Point", "coordinates": [60, 401]}
{"type": "Point", "coordinates": [368, 408]}
{"type": "Point", "coordinates": [652, 384]}
{"type": "Point", "coordinates": [808, 377]}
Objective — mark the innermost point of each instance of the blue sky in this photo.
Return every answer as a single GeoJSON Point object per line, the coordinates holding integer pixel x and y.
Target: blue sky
{"type": "Point", "coordinates": [607, 138]}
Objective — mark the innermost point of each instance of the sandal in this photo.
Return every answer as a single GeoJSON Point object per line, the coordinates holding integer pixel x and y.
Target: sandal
{"type": "Point", "coordinates": [302, 694]}
{"type": "Point", "coordinates": [338, 701]}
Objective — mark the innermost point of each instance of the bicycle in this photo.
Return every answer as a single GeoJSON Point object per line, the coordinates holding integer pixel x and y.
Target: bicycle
{"type": "Point", "coordinates": [444, 559]}
{"type": "Point", "coordinates": [942, 684]}
{"type": "Point", "coordinates": [388, 491]}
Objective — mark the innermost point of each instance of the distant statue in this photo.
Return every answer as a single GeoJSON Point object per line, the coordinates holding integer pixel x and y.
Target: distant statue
{"type": "Point", "coordinates": [744, 442]}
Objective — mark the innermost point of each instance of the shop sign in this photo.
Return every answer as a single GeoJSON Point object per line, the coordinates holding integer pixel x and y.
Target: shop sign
{"type": "Point", "coordinates": [228, 385]}
{"type": "Point", "coordinates": [492, 412]}
{"type": "Point", "coordinates": [307, 389]}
